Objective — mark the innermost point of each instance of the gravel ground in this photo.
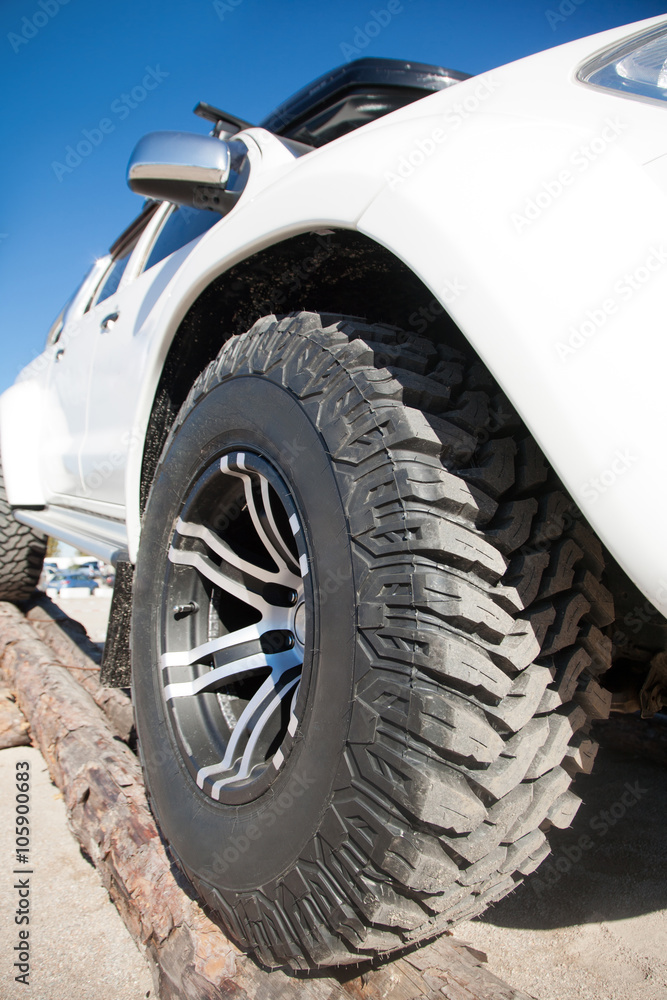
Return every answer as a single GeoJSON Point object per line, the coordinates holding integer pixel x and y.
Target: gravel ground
{"type": "Point", "coordinates": [590, 924]}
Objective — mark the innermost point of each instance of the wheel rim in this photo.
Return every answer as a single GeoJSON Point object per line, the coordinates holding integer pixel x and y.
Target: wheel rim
{"type": "Point", "coordinates": [236, 619]}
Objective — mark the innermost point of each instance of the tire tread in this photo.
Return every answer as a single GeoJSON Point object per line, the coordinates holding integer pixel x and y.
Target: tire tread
{"type": "Point", "coordinates": [480, 614]}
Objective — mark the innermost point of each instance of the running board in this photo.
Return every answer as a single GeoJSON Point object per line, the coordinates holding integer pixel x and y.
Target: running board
{"type": "Point", "coordinates": [105, 539]}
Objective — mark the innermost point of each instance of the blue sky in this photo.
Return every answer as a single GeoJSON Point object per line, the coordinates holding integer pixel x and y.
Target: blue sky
{"type": "Point", "coordinates": [65, 66]}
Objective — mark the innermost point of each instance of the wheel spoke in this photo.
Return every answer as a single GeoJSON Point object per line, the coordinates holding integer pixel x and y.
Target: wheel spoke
{"type": "Point", "coordinates": [266, 696]}
{"type": "Point", "coordinates": [189, 656]}
{"type": "Point", "coordinates": [277, 662]}
{"type": "Point", "coordinates": [293, 721]}
{"type": "Point", "coordinates": [245, 765]}
{"type": "Point", "coordinates": [278, 559]}
{"type": "Point", "coordinates": [284, 577]}
{"type": "Point", "coordinates": [217, 575]}
{"type": "Point", "coordinates": [268, 510]}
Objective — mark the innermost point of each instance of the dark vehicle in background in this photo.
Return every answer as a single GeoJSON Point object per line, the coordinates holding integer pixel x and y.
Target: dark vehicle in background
{"type": "Point", "coordinates": [69, 581]}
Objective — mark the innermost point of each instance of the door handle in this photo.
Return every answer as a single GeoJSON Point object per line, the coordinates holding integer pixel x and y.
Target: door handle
{"type": "Point", "coordinates": [59, 354]}
{"type": "Point", "coordinates": [108, 322]}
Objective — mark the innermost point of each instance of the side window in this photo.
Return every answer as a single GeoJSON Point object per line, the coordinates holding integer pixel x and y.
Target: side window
{"type": "Point", "coordinates": [53, 335]}
{"type": "Point", "coordinates": [181, 226]}
{"type": "Point", "coordinates": [91, 278]}
{"type": "Point", "coordinates": [111, 280]}
{"type": "Point", "coordinates": [120, 252]}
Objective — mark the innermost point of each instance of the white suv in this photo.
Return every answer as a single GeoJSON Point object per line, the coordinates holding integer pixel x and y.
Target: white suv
{"type": "Point", "coordinates": [367, 407]}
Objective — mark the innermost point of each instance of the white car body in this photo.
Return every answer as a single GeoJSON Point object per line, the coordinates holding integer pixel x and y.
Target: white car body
{"type": "Point", "coordinates": [531, 205]}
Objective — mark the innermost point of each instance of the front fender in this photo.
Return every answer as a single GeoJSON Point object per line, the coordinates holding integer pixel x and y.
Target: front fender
{"type": "Point", "coordinates": [559, 281]}
{"type": "Point", "coordinates": [525, 201]}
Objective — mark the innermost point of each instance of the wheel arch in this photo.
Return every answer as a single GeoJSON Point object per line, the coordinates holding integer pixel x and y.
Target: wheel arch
{"type": "Point", "coordinates": [338, 271]}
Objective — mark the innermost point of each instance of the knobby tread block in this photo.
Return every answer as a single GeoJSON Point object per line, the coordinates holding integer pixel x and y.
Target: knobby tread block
{"type": "Point", "coordinates": [495, 470]}
{"type": "Point", "coordinates": [562, 562]}
{"type": "Point", "coordinates": [532, 468]}
{"type": "Point", "coordinates": [512, 525]}
{"type": "Point", "coordinates": [594, 699]}
{"type": "Point", "coordinates": [565, 669]}
{"type": "Point", "coordinates": [22, 551]}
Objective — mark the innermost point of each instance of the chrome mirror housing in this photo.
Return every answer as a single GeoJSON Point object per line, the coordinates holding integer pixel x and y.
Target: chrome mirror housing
{"type": "Point", "coordinates": [199, 171]}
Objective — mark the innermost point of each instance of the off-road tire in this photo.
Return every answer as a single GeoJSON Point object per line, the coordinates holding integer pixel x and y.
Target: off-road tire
{"type": "Point", "coordinates": [22, 551]}
{"type": "Point", "coordinates": [466, 643]}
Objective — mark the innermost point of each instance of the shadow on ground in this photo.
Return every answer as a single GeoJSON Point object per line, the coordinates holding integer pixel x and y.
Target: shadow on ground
{"type": "Point", "coordinates": [611, 864]}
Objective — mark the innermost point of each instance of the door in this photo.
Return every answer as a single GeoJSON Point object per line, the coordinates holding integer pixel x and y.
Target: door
{"type": "Point", "coordinates": [91, 315]}
{"type": "Point", "coordinates": [69, 354]}
{"type": "Point", "coordinates": [121, 353]}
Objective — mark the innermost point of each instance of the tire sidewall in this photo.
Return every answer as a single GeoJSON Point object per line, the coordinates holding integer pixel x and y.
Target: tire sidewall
{"type": "Point", "coordinates": [235, 848]}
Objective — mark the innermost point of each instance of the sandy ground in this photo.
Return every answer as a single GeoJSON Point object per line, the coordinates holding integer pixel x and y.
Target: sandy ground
{"type": "Point", "coordinates": [591, 924]}
{"type": "Point", "coordinates": [92, 612]}
{"type": "Point", "coordinates": [79, 946]}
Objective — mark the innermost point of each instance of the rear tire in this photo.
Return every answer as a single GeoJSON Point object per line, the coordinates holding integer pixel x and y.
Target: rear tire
{"type": "Point", "coordinates": [22, 551]}
{"type": "Point", "coordinates": [450, 641]}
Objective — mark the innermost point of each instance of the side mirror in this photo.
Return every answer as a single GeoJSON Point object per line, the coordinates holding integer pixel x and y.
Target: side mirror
{"type": "Point", "coordinates": [199, 171]}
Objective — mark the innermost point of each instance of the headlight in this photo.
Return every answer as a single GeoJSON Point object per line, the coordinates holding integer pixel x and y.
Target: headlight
{"type": "Point", "coordinates": [637, 67]}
